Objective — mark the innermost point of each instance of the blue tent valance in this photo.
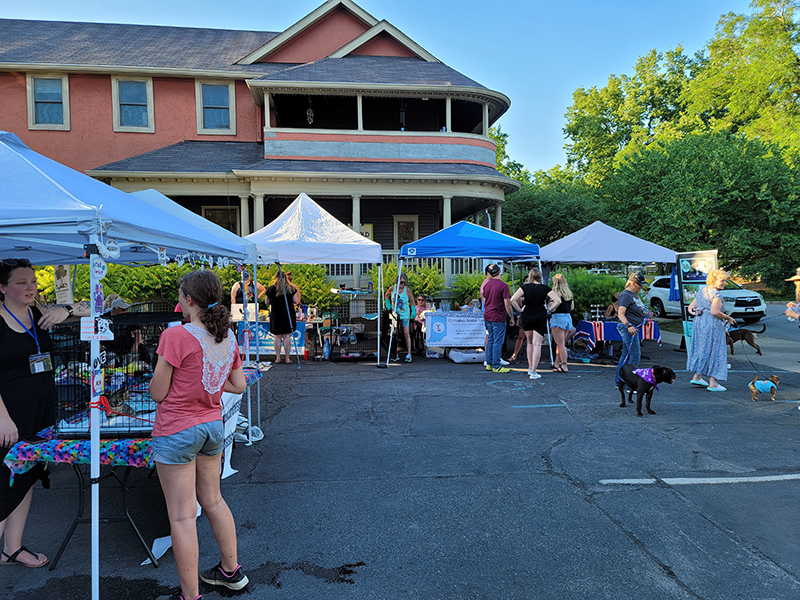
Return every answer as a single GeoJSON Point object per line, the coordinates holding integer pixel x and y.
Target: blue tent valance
{"type": "Point", "coordinates": [467, 240]}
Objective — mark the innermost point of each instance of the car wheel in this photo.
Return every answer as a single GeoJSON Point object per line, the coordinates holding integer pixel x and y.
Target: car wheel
{"type": "Point", "coordinates": [751, 319]}
{"type": "Point", "coordinates": [658, 307]}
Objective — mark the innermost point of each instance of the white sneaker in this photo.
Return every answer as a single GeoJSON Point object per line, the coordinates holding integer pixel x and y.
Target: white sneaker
{"type": "Point", "coordinates": [485, 364]}
{"type": "Point", "coordinates": [534, 375]}
{"type": "Point", "coordinates": [504, 363]}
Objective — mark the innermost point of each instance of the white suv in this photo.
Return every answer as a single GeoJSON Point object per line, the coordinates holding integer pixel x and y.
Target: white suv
{"type": "Point", "coordinates": [740, 303]}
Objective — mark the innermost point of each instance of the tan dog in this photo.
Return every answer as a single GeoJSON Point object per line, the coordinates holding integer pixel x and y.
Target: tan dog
{"type": "Point", "coordinates": [765, 384]}
{"type": "Point", "coordinates": [748, 335]}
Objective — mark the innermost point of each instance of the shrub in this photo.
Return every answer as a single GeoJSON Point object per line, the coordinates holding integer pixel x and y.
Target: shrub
{"type": "Point", "coordinates": [589, 288]}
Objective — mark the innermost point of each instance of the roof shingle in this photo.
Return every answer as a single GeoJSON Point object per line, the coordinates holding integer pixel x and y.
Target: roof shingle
{"type": "Point", "coordinates": [221, 157]}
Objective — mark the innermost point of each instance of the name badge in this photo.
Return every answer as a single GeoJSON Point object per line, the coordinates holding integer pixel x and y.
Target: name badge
{"type": "Point", "coordinates": [40, 363]}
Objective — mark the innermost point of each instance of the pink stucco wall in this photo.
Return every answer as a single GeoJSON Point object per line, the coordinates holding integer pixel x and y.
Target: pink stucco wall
{"type": "Point", "coordinates": [92, 141]}
{"type": "Point", "coordinates": [383, 45]}
{"type": "Point", "coordinates": [320, 39]}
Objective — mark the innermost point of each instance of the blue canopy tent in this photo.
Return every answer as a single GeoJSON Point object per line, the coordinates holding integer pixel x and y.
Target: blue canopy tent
{"type": "Point", "coordinates": [466, 240]}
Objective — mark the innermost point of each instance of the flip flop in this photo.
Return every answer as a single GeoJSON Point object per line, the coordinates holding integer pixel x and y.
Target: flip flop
{"type": "Point", "coordinates": [12, 559]}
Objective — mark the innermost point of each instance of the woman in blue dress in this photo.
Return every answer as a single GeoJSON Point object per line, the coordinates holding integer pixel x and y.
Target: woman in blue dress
{"type": "Point", "coordinates": [708, 353]}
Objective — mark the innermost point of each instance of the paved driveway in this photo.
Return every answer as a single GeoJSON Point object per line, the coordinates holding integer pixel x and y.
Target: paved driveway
{"type": "Point", "coordinates": [437, 480]}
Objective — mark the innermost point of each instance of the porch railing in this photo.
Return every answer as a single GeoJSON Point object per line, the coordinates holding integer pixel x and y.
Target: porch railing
{"type": "Point", "coordinates": [458, 266]}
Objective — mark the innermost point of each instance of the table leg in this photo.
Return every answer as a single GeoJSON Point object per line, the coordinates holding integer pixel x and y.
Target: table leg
{"type": "Point", "coordinates": [130, 519]}
{"type": "Point", "coordinates": [78, 517]}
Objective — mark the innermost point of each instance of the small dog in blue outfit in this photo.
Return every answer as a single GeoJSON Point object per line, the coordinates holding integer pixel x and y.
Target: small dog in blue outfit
{"type": "Point", "coordinates": [767, 385]}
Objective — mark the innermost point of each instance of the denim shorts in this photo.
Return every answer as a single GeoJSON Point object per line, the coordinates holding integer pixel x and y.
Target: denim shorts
{"type": "Point", "coordinates": [206, 439]}
{"type": "Point", "coordinates": [404, 322]}
{"type": "Point", "coordinates": [561, 320]}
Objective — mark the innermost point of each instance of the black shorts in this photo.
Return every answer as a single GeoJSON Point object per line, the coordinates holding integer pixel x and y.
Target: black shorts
{"type": "Point", "coordinates": [536, 322]}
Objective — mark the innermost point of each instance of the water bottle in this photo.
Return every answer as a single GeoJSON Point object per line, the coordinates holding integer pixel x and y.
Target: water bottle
{"type": "Point", "coordinates": [326, 350]}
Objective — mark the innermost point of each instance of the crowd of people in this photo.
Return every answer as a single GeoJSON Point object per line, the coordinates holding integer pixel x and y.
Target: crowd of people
{"type": "Point", "coordinates": [200, 361]}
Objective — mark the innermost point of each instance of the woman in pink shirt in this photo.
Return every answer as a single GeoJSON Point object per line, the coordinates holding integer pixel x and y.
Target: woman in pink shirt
{"type": "Point", "coordinates": [197, 362]}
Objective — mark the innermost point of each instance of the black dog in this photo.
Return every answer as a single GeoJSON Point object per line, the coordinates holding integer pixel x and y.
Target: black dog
{"type": "Point", "coordinates": [642, 388]}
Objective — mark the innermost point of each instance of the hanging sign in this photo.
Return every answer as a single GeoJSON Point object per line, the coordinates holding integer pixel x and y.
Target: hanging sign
{"type": "Point", "coordinates": [96, 329]}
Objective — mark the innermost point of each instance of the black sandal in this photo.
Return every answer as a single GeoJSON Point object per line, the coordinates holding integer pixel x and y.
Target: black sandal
{"type": "Point", "coordinates": [12, 559]}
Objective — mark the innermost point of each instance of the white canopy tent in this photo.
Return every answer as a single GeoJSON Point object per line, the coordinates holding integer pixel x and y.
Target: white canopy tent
{"type": "Point", "coordinates": [599, 242]}
{"type": "Point", "coordinates": [305, 233]}
{"type": "Point", "coordinates": [49, 212]}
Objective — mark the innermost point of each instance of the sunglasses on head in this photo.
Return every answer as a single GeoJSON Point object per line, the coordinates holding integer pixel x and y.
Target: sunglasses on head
{"type": "Point", "coordinates": [16, 262]}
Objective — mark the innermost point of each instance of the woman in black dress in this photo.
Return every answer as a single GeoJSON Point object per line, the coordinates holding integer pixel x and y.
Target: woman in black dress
{"type": "Point", "coordinates": [282, 296]}
{"type": "Point", "coordinates": [27, 394]}
{"type": "Point", "coordinates": [533, 300]}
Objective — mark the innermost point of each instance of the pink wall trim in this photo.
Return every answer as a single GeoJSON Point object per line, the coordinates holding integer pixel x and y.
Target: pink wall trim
{"type": "Point", "coordinates": [383, 45]}
{"type": "Point", "coordinates": [321, 39]}
{"type": "Point", "coordinates": [92, 141]}
{"type": "Point", "coordinates": [434, 138]}
{"type": "Point", "coordinates": [381, 160]}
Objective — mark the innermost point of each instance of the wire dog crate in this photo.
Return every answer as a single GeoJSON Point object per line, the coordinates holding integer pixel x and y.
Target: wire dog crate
{"type": "Point", "coordinates": [129, 361]}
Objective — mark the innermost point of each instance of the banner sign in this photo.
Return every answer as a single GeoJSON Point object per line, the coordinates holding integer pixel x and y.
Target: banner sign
{"type": "Point", "coordinates": [455, 329]}
{"type": "Point", "coordinates": [693, 267]}
{"type": "Point", "coordinates": [264, 341]}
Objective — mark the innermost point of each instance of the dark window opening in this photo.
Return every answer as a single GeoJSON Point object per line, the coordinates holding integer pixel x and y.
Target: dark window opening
{"type": "Point", "coordinates": [315, 112]}
{"type": "Point", "coordinates": [403, 114]}
{"type": "Point", "coordinates": [466, 117]}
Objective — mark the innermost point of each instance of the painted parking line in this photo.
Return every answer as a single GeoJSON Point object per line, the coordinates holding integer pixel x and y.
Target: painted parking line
{"type": "Point", "coordinates": [539, 406]}
{"type": "Point", "coordinates": [701, 480]}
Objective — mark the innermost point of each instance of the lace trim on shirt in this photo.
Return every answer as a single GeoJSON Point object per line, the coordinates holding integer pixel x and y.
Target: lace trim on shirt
{"type": "Point", "coordinates": [217, 358]}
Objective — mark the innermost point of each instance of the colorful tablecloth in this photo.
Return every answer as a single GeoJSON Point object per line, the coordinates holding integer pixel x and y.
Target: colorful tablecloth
{"type": "Point", "coordinates": [126, 452]}
{"type": "Point", "coordinates": [600, 331]}
{"type": "Point", "coordinates": [134, 452]}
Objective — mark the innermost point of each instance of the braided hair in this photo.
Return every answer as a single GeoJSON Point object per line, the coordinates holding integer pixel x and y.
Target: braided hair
{"type": "Point", "coordinates": [205, 289]}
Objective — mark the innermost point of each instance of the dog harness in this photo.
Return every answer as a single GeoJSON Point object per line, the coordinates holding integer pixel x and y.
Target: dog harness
{"type": "Point", "coordinates": [647, 375]}
{"type": "Point", "coordinates": [765, 387]}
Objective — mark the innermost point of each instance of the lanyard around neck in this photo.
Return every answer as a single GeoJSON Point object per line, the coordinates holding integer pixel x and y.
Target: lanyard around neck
{"type": "Point", "coordinates": [32, 331]}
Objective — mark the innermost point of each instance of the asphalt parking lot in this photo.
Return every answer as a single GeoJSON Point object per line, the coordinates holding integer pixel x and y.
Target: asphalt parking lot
{"type": "Point", "coordinates": [436, 480]}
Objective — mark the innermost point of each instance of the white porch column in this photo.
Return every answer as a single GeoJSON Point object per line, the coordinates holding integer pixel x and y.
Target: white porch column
{"type": "Point", "coordinates": [258, 211]}
{"type": "Point", "coordinates": [244, 215]}
{"type": "Point", "coordinates": [447, 220]}
{"type": "Point", "coordinates": [498, 217]}
{"type": "Point", "coordinates": [266, 111]}
{"type": "Point", "coordinates": [360, 110]}
{"type": "Point", "coordinates": [357, 229]}
{"type": "Point", "coordinates": [486, 119]}
{"type": "Point", "coordinates": [448, 115]}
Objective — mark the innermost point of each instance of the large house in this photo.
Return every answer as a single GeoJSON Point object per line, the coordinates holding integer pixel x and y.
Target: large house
{"type": "Point", "coordinates": [235, 124]}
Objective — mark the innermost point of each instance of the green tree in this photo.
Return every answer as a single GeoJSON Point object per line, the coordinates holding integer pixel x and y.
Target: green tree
{"type": "Point", "coordinates": [505, 165]}
{"type": "Point", "coordinates": [750, 81]}
{"type": "Point", "coordinates": [554, 204]}
{"type": "Point", "coordinates": [713, 190]}
{"type": "Point", "coordinates": [627, 113]}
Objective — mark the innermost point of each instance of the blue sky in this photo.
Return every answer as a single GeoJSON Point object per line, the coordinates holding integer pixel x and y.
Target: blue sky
{"type": "Point", "coordinates": [536, 52]}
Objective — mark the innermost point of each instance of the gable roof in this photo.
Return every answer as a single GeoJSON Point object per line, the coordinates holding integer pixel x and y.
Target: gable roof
{"type": "Point", "coordinates": [385, 28]}
{"type": "Point", "coordinates": [304, 24]}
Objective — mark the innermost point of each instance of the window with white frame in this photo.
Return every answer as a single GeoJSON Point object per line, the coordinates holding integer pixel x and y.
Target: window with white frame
{"type": "Point", "coordinates": [48, 102]}
{"type": "Point", "coordinates": [133, 105]}
{"type": "Point", "coordinates": [406, 230]}
{"type": "Point", "coordinates": [216, 107]}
